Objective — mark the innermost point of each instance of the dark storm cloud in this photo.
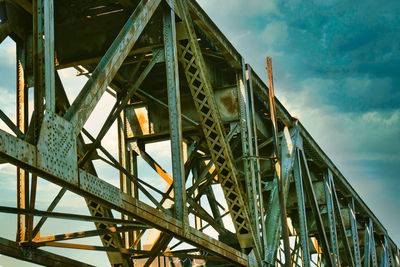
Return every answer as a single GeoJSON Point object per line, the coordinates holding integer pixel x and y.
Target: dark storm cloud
{"type": "Point", "coordinates": [337, 68]}
{"type": "Point", "coordinates": [341, 40]}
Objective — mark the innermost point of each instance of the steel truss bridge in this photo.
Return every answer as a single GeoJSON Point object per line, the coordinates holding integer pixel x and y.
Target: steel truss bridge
{"type": "Point", "coordinates": [173, 76]}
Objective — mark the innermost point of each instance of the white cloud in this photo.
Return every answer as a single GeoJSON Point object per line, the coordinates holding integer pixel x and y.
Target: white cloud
{"type": "Point", "coordinates": [7, 52]}
{"type": "Point", "coordinates": [275, 32]}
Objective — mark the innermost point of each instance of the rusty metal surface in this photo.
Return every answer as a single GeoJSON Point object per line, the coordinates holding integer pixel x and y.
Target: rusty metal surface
{"type": "Point", "coordinates": [220, 132]}
{"type": "Point", "coordinates": [56, 149]}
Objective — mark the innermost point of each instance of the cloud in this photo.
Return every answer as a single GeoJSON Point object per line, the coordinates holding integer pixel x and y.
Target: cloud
{"type": "Point", "coordinates": [275, 32]}
{"type": "Point", "coordinates": [336, 67]}
{"type": "Point", "coordinates": [7, 52]}
{"type": "Point", "coordinates": [7, 66]}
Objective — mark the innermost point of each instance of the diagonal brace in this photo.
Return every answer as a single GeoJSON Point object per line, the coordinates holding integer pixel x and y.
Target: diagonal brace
{"type": "Point", "coordinates": [105, 71]}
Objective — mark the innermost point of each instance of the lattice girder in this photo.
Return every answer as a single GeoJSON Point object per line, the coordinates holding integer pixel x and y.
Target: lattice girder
{"type": "Point", "coordinates": [200, 87]}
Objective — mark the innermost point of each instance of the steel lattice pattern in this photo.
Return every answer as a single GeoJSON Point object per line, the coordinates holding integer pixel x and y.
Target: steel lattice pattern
{"type": "Point", "coordinates": [220, 151]}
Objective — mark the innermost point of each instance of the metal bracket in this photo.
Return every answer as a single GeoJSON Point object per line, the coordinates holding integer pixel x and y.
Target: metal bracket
{"type": "Point", "coordinates": [56, 149]}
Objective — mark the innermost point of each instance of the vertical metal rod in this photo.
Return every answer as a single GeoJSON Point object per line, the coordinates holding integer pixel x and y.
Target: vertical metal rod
{"type": "Point", "coordinates": [123, 181]}
{"type": "Point", "coordinates": [32, 202]}
{"type": "Point", "coordinates": [308, 186]}
{"type": "Point", "coordinates": [48, 43]}
{"type": "Point", "coordinates": [247, 150]}
{"type": "Point", "coordinates": [372, 242]}
{"type": "Point", "coordinates": [137, 235]}
{"type": "Point", "coordinates": [331, 217]}
{"type": "Point", "coordinates": [285, 230]}
{"type": "Point", "coordinates": [22, 124]}
{"type": "Point", "coordinates": [195, 174]}
{"type": "Point", "coordinates": [258, 167]}
{"type": "Point", "coordinates": [171, 62]}
{"type": "Point", "coordinates": [38, 66]}
{"type": "Point", "coordinates": [305, 249]}
{"type": "Point", "coordinates": [367, 246]}
{"type": "Point", "coordinates": [387, 252]}
{"type": "Point", "coordinates": [354, 233]}
{"type": "Point", "coordinates": [340, 223]}
{"type": "Point", "coordinates": [250, 134]}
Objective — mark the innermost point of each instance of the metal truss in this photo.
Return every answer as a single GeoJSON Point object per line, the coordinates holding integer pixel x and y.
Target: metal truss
{"type": "Point", "coordinates": [248, 185]}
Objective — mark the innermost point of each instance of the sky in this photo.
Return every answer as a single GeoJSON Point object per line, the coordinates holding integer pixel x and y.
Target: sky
{"type": "Point", "coordinates": [336, 68]}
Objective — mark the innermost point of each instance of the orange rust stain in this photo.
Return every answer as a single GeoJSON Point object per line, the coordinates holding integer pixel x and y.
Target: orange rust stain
{"type": "Point", "coordinates": [229, 103]}
{"type": "Point", "coordinates": [143, 122]}
{"type": "Point", "coordinates": [142, 119]}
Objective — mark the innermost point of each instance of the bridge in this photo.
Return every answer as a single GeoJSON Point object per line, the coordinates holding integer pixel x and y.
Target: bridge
{"type": "Point", "coordinates": [249, 186]}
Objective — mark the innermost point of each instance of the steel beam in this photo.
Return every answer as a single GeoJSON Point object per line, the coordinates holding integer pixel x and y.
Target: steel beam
{"type": "Point", "coordinates": [120, 106]}
{"type": "Point", "coordinates": [11, 125]}
{"type": "Point", "coordinates": [304, 240]}
{"type": "Point", "coordinates": [372, 244]}
{"type": "Point", "coordinates": [246, 134]}
{"type": "Point", "coordinates": [341, 227]}
{"type": "Point", "coordinates": [68, 216]}
{"type": "Point", "coordinates": [22, 125]}
{"type": "Point", "coordinates": [152, 163]}
{"type": "Point", "coordinates": [331, 216]}
{"type": "Point", "coordinates": [202, 93]}
{"type": "Point", "coordinates": [308, 186]}
{"type": "Point", "coordinates": [159, 246]}
{"type": "Point", "coordinates": [256, 159]}
{"type": "Point", "coordinates": [367, 246]}
{"type": "Point", "coordinates": [111, 239]}
{"type": "Point", "coordinates": [124, 182]}
{"type": "Point", "coordinates": [11, 148]}
{"type": "Point", "coordinates": [105, 71]}
{"type": "Point", "coordinates": [175, 117]}
{"type": "Point", "coordinates": [26, 253]}
{"type": "Point", "coordinates": [48, 49]}
{"type": "Point", "coordinates": [354, 233]}
{"type": "Point", "coordinates": [284, 168]}
{"type": "Point", "coordinates": [85, 234]}
{"type": "Point", "coordinates": [278, 170]}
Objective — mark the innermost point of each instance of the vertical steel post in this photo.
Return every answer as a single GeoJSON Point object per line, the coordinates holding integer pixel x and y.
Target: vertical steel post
{"type": "Point", "coordinates": [367, 246]}
{"type": "Point", "coordinates": [48, 45]}
{"type": "Point", "coordinates": [331, 217]}
{"type": "Point", "coordinates": [124, 160]}
{"type": "Point", "coordinates": [171, 62]}
{"type": "Point", "coordinates": [257, 160]}
{"type": "Point", "coordinates": [247, 149]}
{"type": "Point", "coordinates": [282, 201]}
{"type": "Point", "coordinates": [195, 177]}
{"type": "Point", "coordinates": [38, 63]}
{"type": "Point", "coordinates": [385, 259]}
{"type": "Point", "coordinates": [22, 124]}
{"type": "Point", "coordinates": [372, 242]}
{"type": "Point", "coordinates": [43, 57]}
{"type": "Point", "coordinates": [308, 186]}
{"type": "Point", "coordinates": [354, 233]}
{"type": "Point", "coordinates": [305, 249]}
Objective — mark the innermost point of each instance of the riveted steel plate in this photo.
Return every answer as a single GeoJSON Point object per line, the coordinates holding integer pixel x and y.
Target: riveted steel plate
{"type": "Point", "coordinates": [57, 148]}
{"type": "Point", "coordinates": [17, 148]}
{"type": "Point", "coordinates": [99, 187]}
